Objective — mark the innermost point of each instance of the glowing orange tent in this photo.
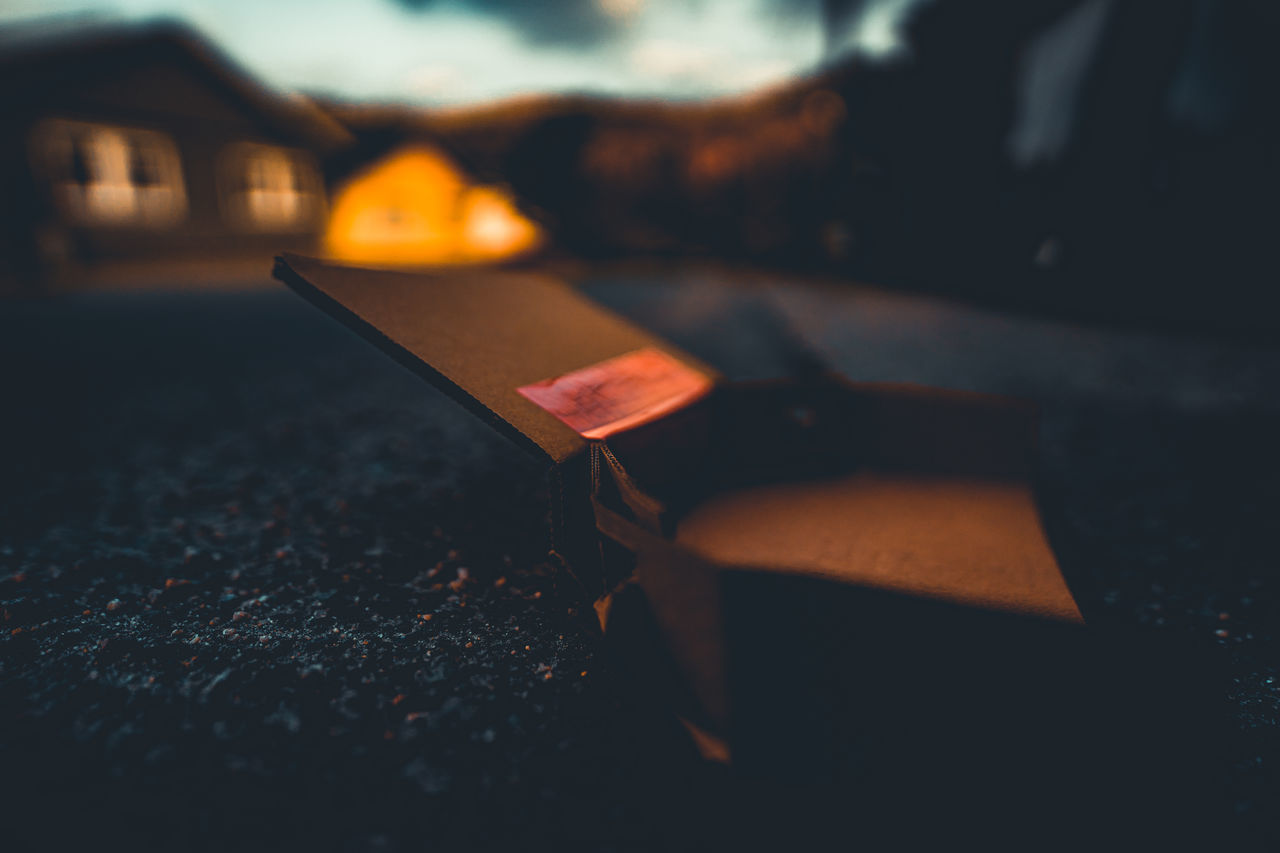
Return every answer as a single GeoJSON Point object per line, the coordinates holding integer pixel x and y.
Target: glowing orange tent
{"type": "Point", "coordinates": [416, 207]}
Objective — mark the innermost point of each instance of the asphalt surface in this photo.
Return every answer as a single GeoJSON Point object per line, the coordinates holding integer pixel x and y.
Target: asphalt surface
{"type": "Point", "coordinates": [262, 588]}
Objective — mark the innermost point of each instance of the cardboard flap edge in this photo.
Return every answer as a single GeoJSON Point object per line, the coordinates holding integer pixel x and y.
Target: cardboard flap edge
{"type": "Point", "coordinates": [480, 336]}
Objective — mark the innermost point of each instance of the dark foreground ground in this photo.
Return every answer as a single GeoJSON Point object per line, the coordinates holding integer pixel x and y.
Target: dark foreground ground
{"type": "Point", "coordinates": [263, 589]}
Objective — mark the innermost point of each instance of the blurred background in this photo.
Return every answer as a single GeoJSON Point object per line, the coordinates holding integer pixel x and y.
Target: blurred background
{"type": "Point", "coordinates": [262, 589]}
{"type": "Point", "coordinates": [1084, 156]}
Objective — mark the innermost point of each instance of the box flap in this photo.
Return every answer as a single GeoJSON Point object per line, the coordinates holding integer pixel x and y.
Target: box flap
{"type": "Point", "coordinates": [483, 335]}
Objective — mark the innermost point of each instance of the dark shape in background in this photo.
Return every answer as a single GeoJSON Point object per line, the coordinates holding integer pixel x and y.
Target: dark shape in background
{"type": "Point", "coordinates": [1091, 159]}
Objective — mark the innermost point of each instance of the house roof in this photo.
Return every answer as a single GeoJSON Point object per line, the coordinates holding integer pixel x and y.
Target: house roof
{"type": "Point", "coordinates": [37, 61]}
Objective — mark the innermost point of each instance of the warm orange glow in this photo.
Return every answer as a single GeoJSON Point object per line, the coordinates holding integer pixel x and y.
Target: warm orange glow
{"type": "Point", "coordinates": [415, 207]}
{"type": "Point", "coordinates": [492, 227]}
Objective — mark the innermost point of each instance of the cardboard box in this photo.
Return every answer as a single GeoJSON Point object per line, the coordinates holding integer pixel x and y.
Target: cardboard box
{"type": "Point", "coordinates": [825, 579]}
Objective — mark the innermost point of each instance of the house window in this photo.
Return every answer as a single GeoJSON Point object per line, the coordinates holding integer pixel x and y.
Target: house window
{"type": "Point", "coordinates": [272, 189]}
{"type": "Point", "coordinates": [103, 175]}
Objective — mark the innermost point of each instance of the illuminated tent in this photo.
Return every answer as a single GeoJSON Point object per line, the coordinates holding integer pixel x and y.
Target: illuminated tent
{"type": "Point", "coordinates": [415, 206]}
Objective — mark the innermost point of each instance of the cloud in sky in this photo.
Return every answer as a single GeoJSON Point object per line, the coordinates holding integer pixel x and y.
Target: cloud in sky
{"type": "Point", "coordinates": [451, 51]}
{"type": "Point", "coordinates": [590, 22]}
{"type": "Point", "coordinates": [572, 22]}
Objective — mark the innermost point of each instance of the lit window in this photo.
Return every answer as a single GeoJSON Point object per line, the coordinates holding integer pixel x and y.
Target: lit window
{"type": "Point", "coordinates": [270, 189]}
{"type": "Point", "coordinates": [111, 176]}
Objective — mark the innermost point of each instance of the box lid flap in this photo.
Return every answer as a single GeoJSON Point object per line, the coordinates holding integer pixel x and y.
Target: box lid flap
{"type": "Point", "coordinates": [496, 340]}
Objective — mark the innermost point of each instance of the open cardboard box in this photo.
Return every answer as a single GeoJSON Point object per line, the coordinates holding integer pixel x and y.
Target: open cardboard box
{"type": "Point", "coordinates": [826, 580]}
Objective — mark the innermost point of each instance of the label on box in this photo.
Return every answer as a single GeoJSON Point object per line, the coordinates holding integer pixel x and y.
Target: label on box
{"type": "Point", "coordinates": [620, 393]}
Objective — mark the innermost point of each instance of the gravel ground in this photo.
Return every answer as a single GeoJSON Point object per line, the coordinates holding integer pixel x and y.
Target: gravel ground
{"type": "Point", "coordinates": [261, 588]}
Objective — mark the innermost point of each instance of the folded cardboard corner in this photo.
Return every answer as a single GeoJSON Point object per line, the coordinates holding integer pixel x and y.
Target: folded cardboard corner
{"type": "Point", "coordinates": [706, 517]}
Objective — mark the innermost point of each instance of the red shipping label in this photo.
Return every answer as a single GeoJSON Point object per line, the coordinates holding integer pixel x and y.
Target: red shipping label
{"type": "Point", "coordinates": [620, 393]}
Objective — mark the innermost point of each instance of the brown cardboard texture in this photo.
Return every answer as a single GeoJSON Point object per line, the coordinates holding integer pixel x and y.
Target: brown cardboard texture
{"type": "Point", "coordinates": [896, 499]}
{"type": "Point", "coordinates": [480, 336]}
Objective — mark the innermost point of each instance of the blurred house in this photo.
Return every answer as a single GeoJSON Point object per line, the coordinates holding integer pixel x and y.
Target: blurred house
{"type": "Point", "coordinates": [128, 150]}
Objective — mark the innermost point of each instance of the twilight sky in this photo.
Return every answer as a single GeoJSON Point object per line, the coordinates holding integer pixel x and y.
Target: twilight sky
{"type": "Point", "coordinates": [451, 51]}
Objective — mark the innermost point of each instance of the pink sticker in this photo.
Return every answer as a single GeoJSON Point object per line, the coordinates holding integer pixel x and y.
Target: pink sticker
{"type": "Point", "coordinates": [620, 393]}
